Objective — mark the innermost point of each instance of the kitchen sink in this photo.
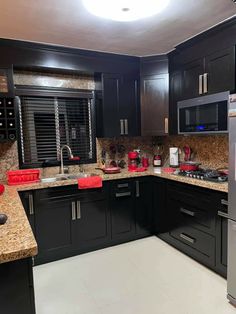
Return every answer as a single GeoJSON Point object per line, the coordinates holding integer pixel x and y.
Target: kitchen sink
{"type": "Point", "coordinates": [62, 177]}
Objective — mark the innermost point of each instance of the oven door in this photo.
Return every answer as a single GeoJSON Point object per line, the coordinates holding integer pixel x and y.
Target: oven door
{"type": "Point", "coordinates": [207, 114]}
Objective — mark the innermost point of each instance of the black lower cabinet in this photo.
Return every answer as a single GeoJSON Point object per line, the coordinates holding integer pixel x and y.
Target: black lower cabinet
{"type": "Point", "coordinates": [16, 287]}
{"type": "Point", "coordinates": [67, 221]}
{"type": "Point", "coordinates": [189, 221]}
{"type": "Point", "coordinates": [92, 219]}
{"type": "Point", "coordinates": [54, 225]}
{"type": "Point", "coordinates": [122, 211]}
{"type": "Point", "coordinates": [143, 207]}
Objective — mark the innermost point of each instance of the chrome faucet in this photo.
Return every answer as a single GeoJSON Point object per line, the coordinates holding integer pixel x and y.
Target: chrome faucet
{"type": "Point", "coordinates": [70, 156]}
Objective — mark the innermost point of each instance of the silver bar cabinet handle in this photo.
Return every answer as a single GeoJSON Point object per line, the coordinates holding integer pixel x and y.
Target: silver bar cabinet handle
{"type": "Point", "coordinates": [126, 127]}
{"type": "Point", "coordinates": [166, 125]}
{"type": "Point", "coordinates": [224, 202]}
{"type": "Point", "coordinates": [187, 238]}
{"type": "Point", "coordinates": [222, 214]}
{"type": "Point", "coordinates": [137, 189]}
{"type": "Point", "coordinates": [205, 83]}
{"type": "Point", "coordinates": [31, 204]}
{"type": "Point", "coordinates": [78, 209]}
{"type": "Point", "coordinates": [122, 131]}
{"type": "Point", "coordinates": [123, 194]}
{"type": "Point", "coordinates": [200, 84]}
{"type": "Point", "coordinates": [187, 212]}
{"type": "Point", "coordinates": [73, 214]}
{"type": "Point", "coordinates": [123, 185]}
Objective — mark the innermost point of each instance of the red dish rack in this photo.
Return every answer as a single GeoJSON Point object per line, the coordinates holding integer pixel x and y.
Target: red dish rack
{"type": "Point", "coordinates": [23, 176]}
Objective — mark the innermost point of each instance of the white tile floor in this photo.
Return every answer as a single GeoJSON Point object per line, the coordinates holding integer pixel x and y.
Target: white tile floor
{"type": "Point", "coordinates": [141, 277]}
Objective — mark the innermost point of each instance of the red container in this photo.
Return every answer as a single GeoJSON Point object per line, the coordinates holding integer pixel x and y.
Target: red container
{"type": "Point", "coordinates": [189, 166]}
{"type": "Point", "coordinates": [23, 176]}
{"type": "Point", "coordinates": [133, 155]}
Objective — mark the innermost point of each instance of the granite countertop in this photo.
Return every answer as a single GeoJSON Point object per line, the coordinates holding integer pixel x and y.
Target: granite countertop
{"type": "Point", "coordinates": [16, 237]}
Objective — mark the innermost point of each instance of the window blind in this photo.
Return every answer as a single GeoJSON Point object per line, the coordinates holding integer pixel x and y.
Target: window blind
{"type": "Point", "coordinates": [48, 123]}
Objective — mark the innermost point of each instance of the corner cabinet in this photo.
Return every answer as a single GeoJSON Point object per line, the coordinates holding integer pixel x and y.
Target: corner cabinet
{"type": "Point", "coordinates": [154, 105]}
{"type": "Point", "coordinates": [118, 109]}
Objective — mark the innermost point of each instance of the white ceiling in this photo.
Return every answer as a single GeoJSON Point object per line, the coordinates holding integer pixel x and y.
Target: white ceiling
{"type": "Point", "coordinates": [67, 23]}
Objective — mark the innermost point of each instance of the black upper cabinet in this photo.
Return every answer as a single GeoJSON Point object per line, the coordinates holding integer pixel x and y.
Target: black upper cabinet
{"type": "Point", "coordinates": [6, 82]}
{"type": "Point", "coordinates": [211, 74]}
{"type": "Point", "coordinates": [220, 71]}
{"type": "Point", "coordinates": [154, 105]}
{"type": "Point", "coordinates": [154, 96]}
{"type": "Point", "coordinates": [175, 93]}
{"type": "Point", "coordinates": [191, 79]}
{"type": "Point", "coordinates": [118, 106]}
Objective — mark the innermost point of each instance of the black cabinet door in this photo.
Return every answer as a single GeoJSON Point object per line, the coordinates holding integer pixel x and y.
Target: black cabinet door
{"type": "Point", "coordinates": [191, 79]}
{"type": "Point", "coordinates": [122, 207]}
{"type": "Point", "coordinates": [93, 220]}
{"type": "Point", "coordinates": [175, 93]}
{"type": "Point", "coordinates": [143, 206]}
{"type": "Point", "coordinates": [160, 213]}
{"type": "Point", "coordinates": [27, 200]}
{"type": "Point", "coordinates": [221, 245]}
{"type": "Point", "coordinates": [111, 85]}
{"type": "Point", "coordinates": [220, 71]}
{"type": "Point", "coordinates": [129, 109]}
{"type": "Point", "coordinates": [154, 105]}
{"type": "Point", "coordinates": [16, 286]}
{"type": "Point", "coordinates": [55, 223]}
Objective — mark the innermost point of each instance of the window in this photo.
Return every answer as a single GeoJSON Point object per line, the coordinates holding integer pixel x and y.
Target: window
{"type": "Point", "coordinates": [49, 122]}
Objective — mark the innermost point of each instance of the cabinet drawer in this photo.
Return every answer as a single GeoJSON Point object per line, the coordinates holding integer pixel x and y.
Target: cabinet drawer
{"type": "Point", "coordinates": [196, 239]}
{"type": "Point", "coordinates": [200, 218]}
{"type": "Point", "coordinates": [122, 189]}
{"type": "Point", "coordinates": [201, 198]}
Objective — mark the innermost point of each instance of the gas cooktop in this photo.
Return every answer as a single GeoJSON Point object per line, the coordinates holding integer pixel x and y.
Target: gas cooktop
{"type": "Point", "coordinates": [205, 174]}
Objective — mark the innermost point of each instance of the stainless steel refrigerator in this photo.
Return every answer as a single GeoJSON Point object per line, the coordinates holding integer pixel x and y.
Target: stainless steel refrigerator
{"type": "Point", "coordinates": [231, 276]}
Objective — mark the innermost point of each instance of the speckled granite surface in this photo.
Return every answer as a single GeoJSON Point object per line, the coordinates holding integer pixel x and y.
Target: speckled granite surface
{"type": "Point", "coordinates": [16, 237]}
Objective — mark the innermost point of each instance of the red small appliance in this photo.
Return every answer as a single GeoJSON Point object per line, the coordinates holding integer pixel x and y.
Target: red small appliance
{"type": "Point", "coordinates": [133, 161]}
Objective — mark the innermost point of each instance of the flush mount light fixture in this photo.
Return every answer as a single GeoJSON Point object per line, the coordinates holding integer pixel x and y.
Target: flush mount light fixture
{"type": "Point", "coordinates": [125, 10]}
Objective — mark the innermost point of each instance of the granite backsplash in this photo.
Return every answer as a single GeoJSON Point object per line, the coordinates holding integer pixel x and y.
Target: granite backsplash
{"type": "Point", "coordinates": [210, 151]}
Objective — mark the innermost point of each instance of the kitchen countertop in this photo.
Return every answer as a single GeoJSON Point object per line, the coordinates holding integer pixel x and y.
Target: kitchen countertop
{"type": "Point", "coordinates": [16, 237]}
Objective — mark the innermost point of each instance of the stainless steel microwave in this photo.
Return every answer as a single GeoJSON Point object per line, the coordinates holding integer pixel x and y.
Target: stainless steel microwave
{"type": "Point", "coordinates": [204, 115]}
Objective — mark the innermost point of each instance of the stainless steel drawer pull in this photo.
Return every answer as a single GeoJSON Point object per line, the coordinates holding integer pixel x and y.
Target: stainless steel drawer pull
{"type": "Point", "coordinates": [122, 130]}
{"type": "Point", "coordinates": [73, 213]}
{"type": "Point", "coordinates": [31, 204]}
{"type": "Point", "coordinates": [224, 202]}
{"type": "Point", "coordinates": [205, 83]}
{"type": "Point", "coordinates": [126, 127]}
{"type": "Point", "coordinates": [187, 238]}
{"type": "Point", "coordinates": [137, 189]}
{"type": "Point", "coordinates": [187, 212]}
{"type": "Point", "coordinates": [78, 209]}
{"type": "Point", "coordinates": [200, 84]}
{"type": "Point", "coordinates": [123, 194]}
{"type": "Point", "coordinates": [223, 214]}
{"type": "Point", "coordinates": [123, 185]}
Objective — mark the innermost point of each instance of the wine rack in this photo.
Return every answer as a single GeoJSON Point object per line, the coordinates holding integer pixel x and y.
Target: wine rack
{"type": "Point", "coordinates": [7, 119]}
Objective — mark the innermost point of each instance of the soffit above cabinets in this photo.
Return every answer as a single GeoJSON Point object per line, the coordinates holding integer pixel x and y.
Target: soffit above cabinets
{"type": "Point", "coordinates": [67, 23]}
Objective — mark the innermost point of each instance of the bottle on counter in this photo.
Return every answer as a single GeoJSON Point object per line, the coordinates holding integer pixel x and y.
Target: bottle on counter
{"type": "Point", "coordinates": [157, 163]}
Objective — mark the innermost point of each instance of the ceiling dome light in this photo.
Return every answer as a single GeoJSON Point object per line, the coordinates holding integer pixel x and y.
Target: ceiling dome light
{"type": "Point", "coordinates": [125, 10]}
